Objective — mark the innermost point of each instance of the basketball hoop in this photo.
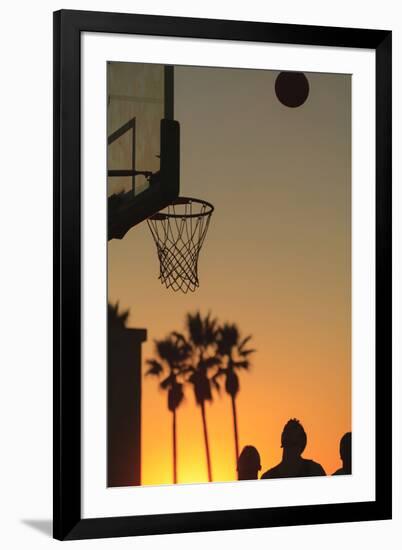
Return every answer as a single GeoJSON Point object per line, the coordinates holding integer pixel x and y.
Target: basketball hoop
{"type": "Point", "coordinates": [179, 231]}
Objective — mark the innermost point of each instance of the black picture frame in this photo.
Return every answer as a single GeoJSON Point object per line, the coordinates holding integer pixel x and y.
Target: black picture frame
{"type": "Point", "coordinates": [68, 26]}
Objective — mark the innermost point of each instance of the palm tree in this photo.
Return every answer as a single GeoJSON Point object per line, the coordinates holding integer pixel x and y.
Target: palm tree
{"type": "Point", "coordinates": [234, 356]}
{"type": "Point", "coordinates": [201, 337]}
{"type": "Point", "coordinates": [172, 353]}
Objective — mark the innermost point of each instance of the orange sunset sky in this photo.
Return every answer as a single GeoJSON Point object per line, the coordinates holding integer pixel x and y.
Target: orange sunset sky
{"type": "Point", "coordinates": [276, 261]}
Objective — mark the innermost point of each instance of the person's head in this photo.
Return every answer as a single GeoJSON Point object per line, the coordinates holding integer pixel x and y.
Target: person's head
{"type": "Point", "coordinates": [345, 450]}
{"type": "Point", "coordinates": [248, 463]}
{"type": "Point", "coordinates": [294, 438]}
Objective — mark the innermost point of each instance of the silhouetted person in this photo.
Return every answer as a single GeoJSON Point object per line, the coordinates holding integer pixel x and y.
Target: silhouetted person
{"type": "Point", "coordinates": [249, 463]}
{"type": "Point", "coordinates": [294, 441]}
{"type": "Point", "coordinates": [345, 452]}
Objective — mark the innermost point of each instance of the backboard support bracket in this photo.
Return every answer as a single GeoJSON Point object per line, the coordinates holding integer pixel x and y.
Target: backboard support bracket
{"type": "Point", "coordinates": [125, 210]}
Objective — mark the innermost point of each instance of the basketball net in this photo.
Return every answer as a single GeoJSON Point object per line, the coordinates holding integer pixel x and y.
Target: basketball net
{"type": "Point", "coordinates": [179, 232]}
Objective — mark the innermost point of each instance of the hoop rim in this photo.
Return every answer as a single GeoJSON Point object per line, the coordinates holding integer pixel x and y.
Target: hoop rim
{"type": "Point", "coordinates": [184, 200]}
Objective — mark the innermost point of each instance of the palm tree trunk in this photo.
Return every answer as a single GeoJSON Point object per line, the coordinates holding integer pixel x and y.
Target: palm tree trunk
{"type": "Point", "coordinates": [204, 425]}
{"type": "Point", "coordinates": [236, 433]}
{"type": "Point", "coordinates": [174, 449]}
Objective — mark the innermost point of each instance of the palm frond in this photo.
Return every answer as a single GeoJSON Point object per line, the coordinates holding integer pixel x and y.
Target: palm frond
{"type": "Point", "coordinates": [241, 364]}
{"type": "Point", "coordinates": [188, 369]}
{"type": "Point", "coordinates": [180, 338]}
{"type": "Point", "coordinates": [155, 368]}
{"type": "Point", "coordinates": [194, 328]}
{"type": "Point", "coordinates": [214, 380]}
{"type": "Point", "coordinates": [244, 342]}
{"type": "Point", "coordinates": [212, 361]}
{"type": "Point", "coordinates": [202, 331]}
{"type": "Point", "coordinates": [168, 381]}
{"type": "Point", "coordinates": [246, 352]}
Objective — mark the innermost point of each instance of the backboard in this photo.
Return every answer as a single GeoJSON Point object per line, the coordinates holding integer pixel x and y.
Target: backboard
{"type": "Point", "coordinates": [143, 143]}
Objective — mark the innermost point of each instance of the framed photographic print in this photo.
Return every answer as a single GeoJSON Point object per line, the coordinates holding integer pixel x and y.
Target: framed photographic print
{"type": "Point", "coordinates": [222, 274]}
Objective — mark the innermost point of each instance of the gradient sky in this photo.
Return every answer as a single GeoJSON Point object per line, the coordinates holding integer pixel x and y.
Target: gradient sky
{"type": "Point", "coordinates": [276, 260]}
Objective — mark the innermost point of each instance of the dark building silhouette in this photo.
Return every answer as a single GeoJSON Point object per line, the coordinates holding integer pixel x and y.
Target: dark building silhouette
{"type": "Point", "coordinates": [123, 401]}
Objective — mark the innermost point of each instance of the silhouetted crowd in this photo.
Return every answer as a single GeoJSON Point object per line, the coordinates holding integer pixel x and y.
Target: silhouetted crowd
{"type": "Point", "coordinates": [293, 443]}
